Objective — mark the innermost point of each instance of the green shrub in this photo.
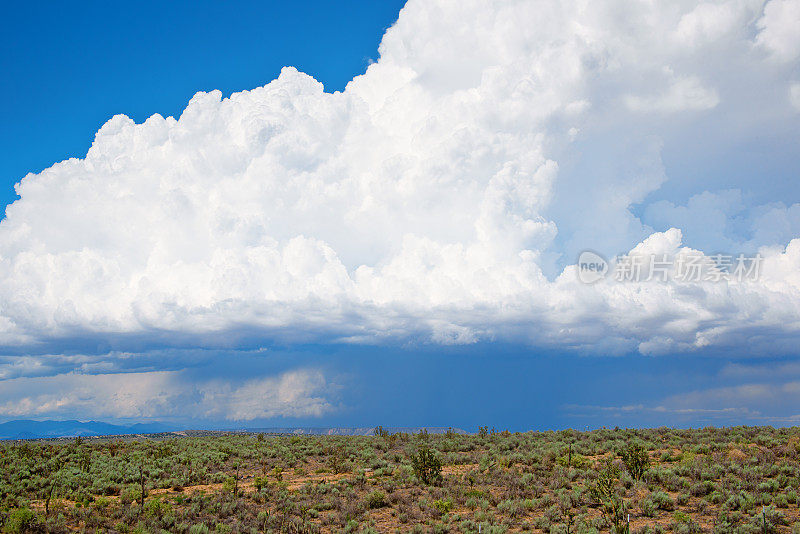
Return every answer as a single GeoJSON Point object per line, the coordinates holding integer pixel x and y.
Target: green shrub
{"type": "Point", "coordinates": [702, 488]}
{"type": "Point", "coordinates": [131, 494]}
{"type": "Point", "coordinates": [512, 507]}
{"type": "Point", "coordinates": [19, 521]}
{"type": "Point", "coordinates": [742, 501]}
{"type": "Point", "coordinates": [157, 508]}
{"type": "Point", "coordinates": [443, 506]}
{"type": "Point", "coordinates": [684, 524]}
{"type": "Point", "coordinates": [575, 460]}
{"type": "Point", "coordinates": [475, 492]}
{"type": "Point", "coordinates": [376, 499]}
{"type": "Point", "coordinates": [636, 460]}
{"type": "Point", "coordinates": [662, 500]}
{"type": "Point", "coordinates": [426, 465]}
{"type": "Point", "coordinates": [768, 521]}
{"type": "Point", "coordinates": [229, 485]}
{"type": "Point", "coordinates": [604, 493]}
{"type": "Point", "coordinates": [648, 507]}
{"type": "Point", "coordinates": [680, 517]}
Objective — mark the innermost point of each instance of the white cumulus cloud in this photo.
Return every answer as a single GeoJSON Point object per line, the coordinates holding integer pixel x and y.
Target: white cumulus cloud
{"type": "Point", "coordinates": [778, 29]}
{"type": "Point", "coordinates": [436, 198]}
{"type": "Point", "coordinates": [682, 94]}
{"type": "Point", "coordinates": [166, 394]}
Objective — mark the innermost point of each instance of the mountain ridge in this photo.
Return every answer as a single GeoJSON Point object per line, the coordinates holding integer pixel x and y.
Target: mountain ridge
{"type": "Point", "coordinates": [22, 429]}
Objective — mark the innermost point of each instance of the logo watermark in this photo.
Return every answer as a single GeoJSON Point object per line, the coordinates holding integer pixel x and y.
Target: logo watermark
{"type": "Point", "coordinates": [591, 267]}
{"type": "Point", "coordinates": [684, 268]}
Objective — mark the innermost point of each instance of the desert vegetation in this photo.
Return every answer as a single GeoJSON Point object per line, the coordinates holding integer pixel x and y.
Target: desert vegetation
{"type": "Point", "coordinates": [732, 480]}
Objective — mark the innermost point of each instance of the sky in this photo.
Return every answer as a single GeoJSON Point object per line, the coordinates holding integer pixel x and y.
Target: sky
{"type": "Point", "coordinates": [524, 214]}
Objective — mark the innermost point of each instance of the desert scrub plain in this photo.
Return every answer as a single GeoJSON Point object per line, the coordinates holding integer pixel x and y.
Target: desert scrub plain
{"type": "Point", "coordinates": [731, 480]}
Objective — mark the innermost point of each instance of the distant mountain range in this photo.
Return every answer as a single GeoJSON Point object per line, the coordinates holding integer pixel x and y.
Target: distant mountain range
{"type": "Point", "coordinates": [358, 431]}
{"type": "Point", "coordinates": [29, 429]}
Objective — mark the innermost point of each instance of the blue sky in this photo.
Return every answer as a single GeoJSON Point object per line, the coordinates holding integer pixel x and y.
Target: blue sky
{"type": "Point", "coordinates": [317, 215]}
{"type": "Point", "coordinates": [70, 68]}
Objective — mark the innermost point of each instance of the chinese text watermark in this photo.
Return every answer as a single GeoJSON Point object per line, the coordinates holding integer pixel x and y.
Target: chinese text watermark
{"type": "Point", "coordinates": [683, 267]}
